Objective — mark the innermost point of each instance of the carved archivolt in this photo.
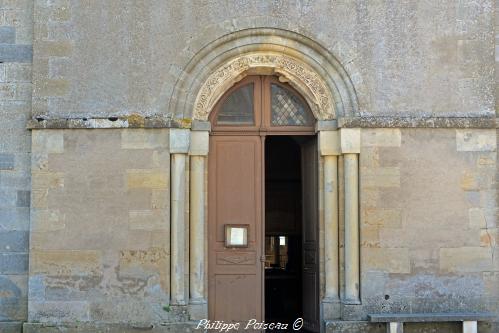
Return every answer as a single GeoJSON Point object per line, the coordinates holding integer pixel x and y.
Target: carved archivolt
{"type": "Point", "coordinates": [297, 73]}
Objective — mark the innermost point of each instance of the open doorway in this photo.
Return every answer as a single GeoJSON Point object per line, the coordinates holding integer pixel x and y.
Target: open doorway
{"type": "Point", "coordinates": [290, 291]}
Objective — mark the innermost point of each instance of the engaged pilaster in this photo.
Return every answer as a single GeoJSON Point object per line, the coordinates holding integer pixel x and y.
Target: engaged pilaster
{"type": "Point", "coordinates": [179, 147]}
{"type": "Point", "coordinates": [330, 149]}
{"type": "Point", "coordinates": [350, 147]}
{"type": "Point", "coordinates": [198, 152]}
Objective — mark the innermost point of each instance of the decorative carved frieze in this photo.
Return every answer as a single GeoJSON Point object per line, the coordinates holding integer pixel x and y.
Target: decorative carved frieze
{"type": "Point", "coordinates": [301, 76]}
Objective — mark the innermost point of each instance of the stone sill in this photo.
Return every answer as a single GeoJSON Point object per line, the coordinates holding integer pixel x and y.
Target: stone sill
{"type": "Point", "coordinates": [133, 121]}
{"type": "Point", "coordinates": [136, 121]}
{"type": "Point", "coordinates": [419, 122]}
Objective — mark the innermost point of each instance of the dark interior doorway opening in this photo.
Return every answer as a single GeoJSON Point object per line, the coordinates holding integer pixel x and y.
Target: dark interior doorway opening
{"type": "Point", "coordinates": [283, 229]}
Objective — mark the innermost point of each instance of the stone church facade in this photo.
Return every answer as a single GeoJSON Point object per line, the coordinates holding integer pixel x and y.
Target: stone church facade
{"type": "Point", "coordinates": [107, 135]}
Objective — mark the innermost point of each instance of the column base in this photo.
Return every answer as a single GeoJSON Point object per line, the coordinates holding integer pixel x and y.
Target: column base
{"type": "Point", "coordinates": [198, 309]}
{"type": "Point", "coordinates": [331, 308]}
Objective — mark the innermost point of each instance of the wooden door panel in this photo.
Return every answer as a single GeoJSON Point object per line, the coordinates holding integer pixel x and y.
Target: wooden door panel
{"type": "Point", "coordinates": [235, 197]}
{"type": "Point", "coordinates": [233, 302]}
{"type": "Point", "coordinates": [310, 246]}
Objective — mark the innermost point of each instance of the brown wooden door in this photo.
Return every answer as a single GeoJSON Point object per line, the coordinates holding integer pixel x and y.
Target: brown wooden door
{"type": "Point", "coordinates": [235, 197]}
{"type": "Point", "coordinates": [310, 236]}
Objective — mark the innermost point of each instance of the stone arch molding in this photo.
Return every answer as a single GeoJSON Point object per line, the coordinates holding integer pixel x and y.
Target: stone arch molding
{"type": "Point", "coordinates": [305, 64]}
{"type": "Point", "coordinates": [289, 69]}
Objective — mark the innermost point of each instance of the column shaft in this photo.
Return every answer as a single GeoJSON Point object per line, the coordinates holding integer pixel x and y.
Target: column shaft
{"type": "Point", "coordinates": [331, 226]}
{"type": "Point", "coordinates": [352, 260]}
{"type": "Point", "coordinates": [197, 231]}
{"type": "Point", "coordinates": [178, 229]}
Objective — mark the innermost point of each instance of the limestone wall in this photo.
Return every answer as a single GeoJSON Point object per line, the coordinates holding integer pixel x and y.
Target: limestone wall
{"type": "Point", "coordinates": [405, 58]}
{"type": "Point", "coordinates": [428, 220]}
{"type": "Point", "coordinates": [100, 226]}
{"type": "Point", "coordinates": [15, 107]}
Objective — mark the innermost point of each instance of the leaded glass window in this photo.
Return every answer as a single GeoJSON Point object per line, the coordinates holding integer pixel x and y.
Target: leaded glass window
{"type": "Point", "coordinates": [237, 109]}
{"type": "Point", "coordinates": [288, 109]}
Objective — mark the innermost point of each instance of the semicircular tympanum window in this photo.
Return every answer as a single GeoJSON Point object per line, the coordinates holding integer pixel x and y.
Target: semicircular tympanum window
{"type": "Point", "coordinates": [265, 104]}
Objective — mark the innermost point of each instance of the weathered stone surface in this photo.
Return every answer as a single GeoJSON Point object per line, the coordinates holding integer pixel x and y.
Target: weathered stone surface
{"type": "Point", "coordinates": [16, 53]}
{"type": "Point", "coordinates": [7, 35]}
{"type": "Point", "coordinates": [13, 263]}
{"type": "Point", "coordinates": [391, 260]}
{"type": "Point", "coordinates": [14, 241]}
{"type": "Point", "coordinates": [465, 259]}
{"type": "Point", "coordinates": [6, 161]}
{"type": "Point", "coordinates": [476, 140]}
{"type": "Point", "coordinates": [11, 327]}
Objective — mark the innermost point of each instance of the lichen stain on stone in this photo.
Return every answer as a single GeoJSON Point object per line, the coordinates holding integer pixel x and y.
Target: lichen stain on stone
{"type": "Point", "coordinates": [136, 267]}
{"type": "Point", "coordinates": [185, 123]}
{"type": "Point", "coordinates": [80, 283]}
{"type": "Point", "coordinates": [135, 120]}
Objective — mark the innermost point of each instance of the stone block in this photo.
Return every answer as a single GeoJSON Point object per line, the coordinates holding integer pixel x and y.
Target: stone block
{"type": "Point", "coordinates": [23, 198]}
{"type": "Point", "coordinates": [382, 177]}
{"type": "Point", "coordinates": [58, 311]}
{"type": "Point", "coordinates": [326, 125]}
{"type": "Point", "coordinates": [329, 143]}
{"type": "Point", "coordinates": [382, 137]}
{"type": "Point", "coordinates": [46, 180]}
{"type": "Point", "coordinates": [47, 220]}
{"type": "Point", "coordinates": [14, 241]}
{"type": "Point", "coordinates": [156, 219]}
{"type": "Point", "coordinates": [18, 72]}
{"type": "Point", "coordinates": [144, 139]}
{"type": "Point", "coordinates": [16, 53]}
{"type": "Point", "coordinates": [200, 143]}
{"type": "Point", "coordinates": [66, 262]}
{"type": "Point", "coordinates": [465, 259]}
{"type": "Point", "coordinates": [14, 218]}
{"type": "Point", "coordinates": [7, 197]}
{"type": "Point", "coordinates": [13, 263]}
{"type": "Point", "coordinates": [160, 199]}
{"type": "Point", "coordinates": [147, 178]}
{"type": "Point", "coordinates": [382, 217]}
{"type": "Point", "coordinates": [161, 159]}
{"type": "Point", "coordinates": [51, 87]}
{"type": "Point", "coordinates": [179, 141]}
{"type": "Point", "coordinates": [390, 260]}
{"type": "Point", "coordinates": [7, 161]}
{"type": "Point", "coordinates": [39, 198]}
{"type": "Point", "coordinates": [350, 140]}
{"type": "Point", "coordinates": [476, 140]}
{"type": "Point", "coordinates": [11, 327]}
{"type": "Point", "coordinates": [489, 237]}
{"type": "Point", "coordinates": [46, 49]}
{"type": "Point", "coordinates": [47, 141]}
{"type": "Point", "coordinates": [7, 35]}
{"type": "Point", "coordinates": [470, 181]}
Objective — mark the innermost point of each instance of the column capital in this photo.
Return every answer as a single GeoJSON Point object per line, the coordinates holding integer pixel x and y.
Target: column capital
{"type": "Point", "coordinates": [179, 141]}
{"type": "Point", "coordinates": [200, 125]}
{"type": "Point", "coordinates": [350, 140]}
{"type": "Point", "coordinates": [329, 143]}
{"type": "Point", "coordinates": [200, 143]}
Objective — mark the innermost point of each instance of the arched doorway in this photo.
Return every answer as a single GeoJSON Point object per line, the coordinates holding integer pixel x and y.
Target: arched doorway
{"type": "Point", "coordinates": [263, 260]}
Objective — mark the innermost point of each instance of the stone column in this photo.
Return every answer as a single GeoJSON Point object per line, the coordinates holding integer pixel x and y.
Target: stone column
{"type": "Point", "coordinates": [329, 146]}
{"type": "Point", "coordinates": [350, 147]}
{"type": "Point", "coordinates": [179, 147]}
{"type": "Point", "coordinates": [197, 268]}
